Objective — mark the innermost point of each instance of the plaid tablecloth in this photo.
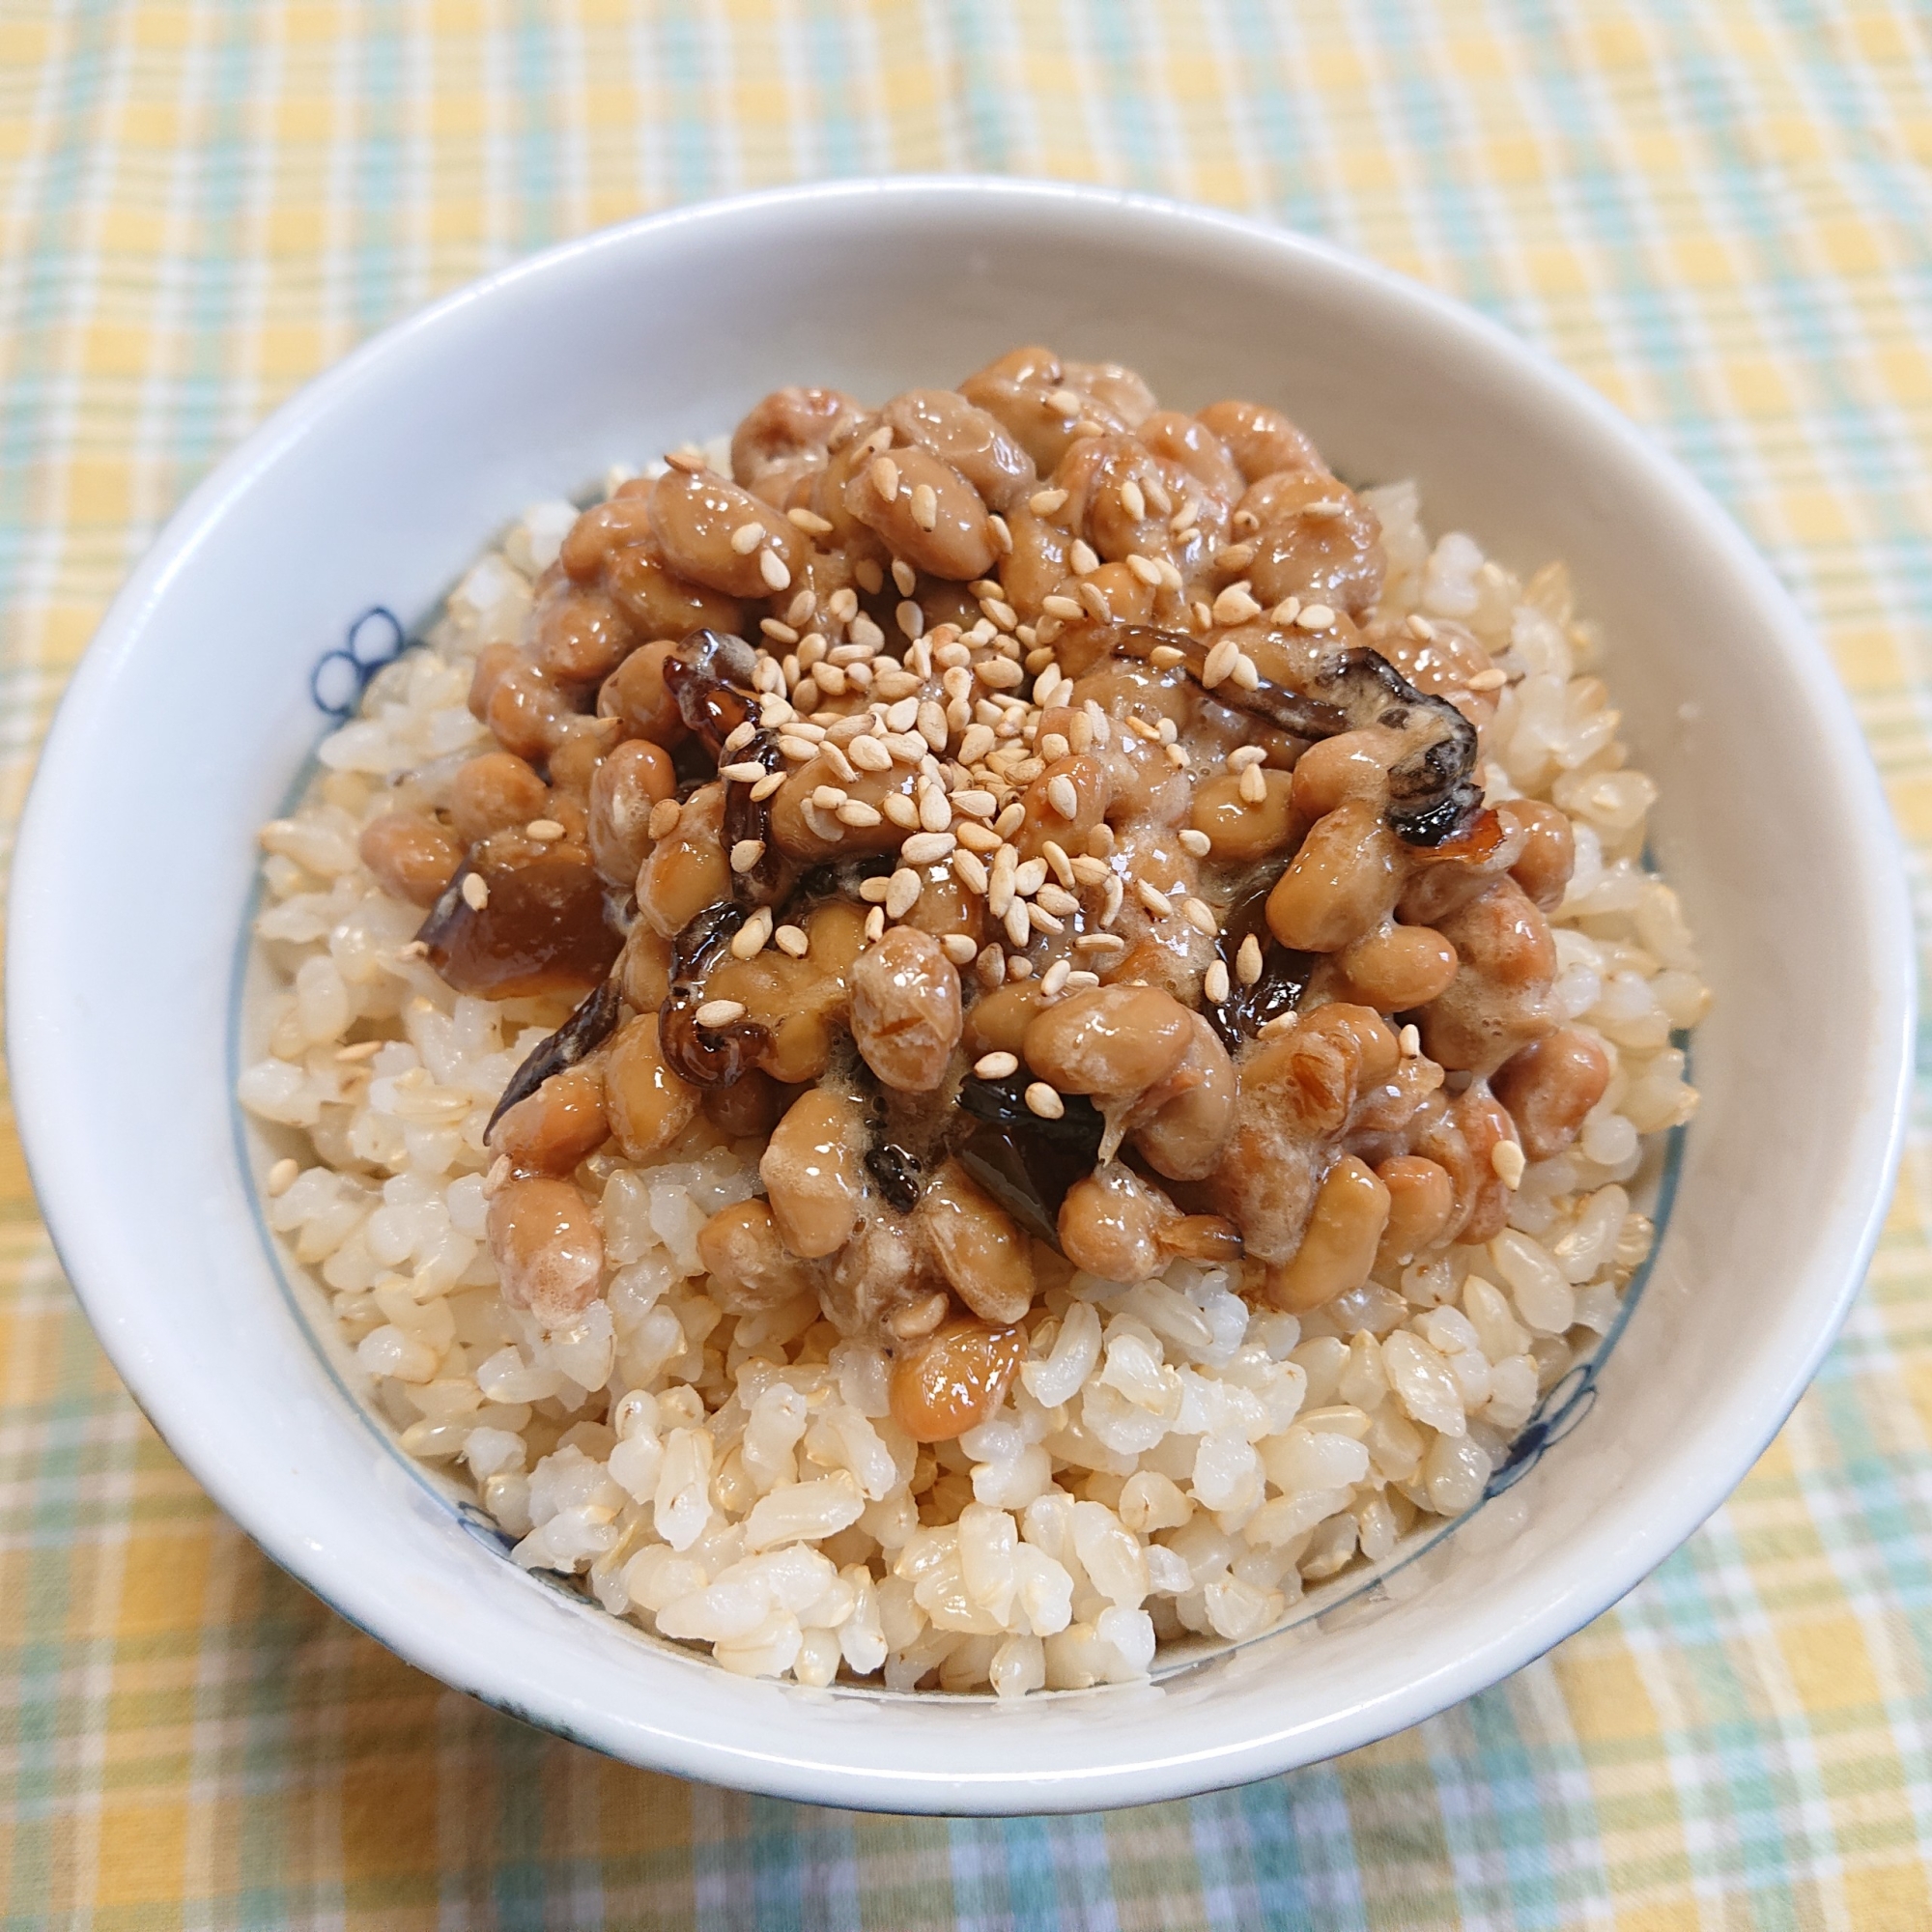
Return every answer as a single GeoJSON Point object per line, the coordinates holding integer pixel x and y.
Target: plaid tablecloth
{"type": "Point", "coordinates": [1717, 212]}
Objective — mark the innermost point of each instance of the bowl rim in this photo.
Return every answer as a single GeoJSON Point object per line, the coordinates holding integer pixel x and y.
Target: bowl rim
{"type": "Point", "coordinates": [54, 1159]}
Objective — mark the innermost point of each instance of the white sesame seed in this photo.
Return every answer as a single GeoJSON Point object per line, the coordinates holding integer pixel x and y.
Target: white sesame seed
{"type": "Point", "coordinates": [996, 1065]}
{"type": "Point", "coordinates": [1043, 503]}
{"type": "Point", "coordinates": [741, 736]}
{"type": "Point", "coordinates": [714, 1013]}
{"type": "Point", "coordinates": [1082, 558]}
{"type": "Point", "coordinates": [1220, 661]}
{"type": "Point", "coordinates": [875, 925]}
{"type": "Point", "coordinates": [1100, 942]}
{"type": "Point", "coordinates": [1164, 657]}
{"type": "Point", "coordinates": [1043, 1101]}
{"type": "Point", "coordinates": [958, 947]}
{"type": "Point", "coordinates": [1018, 922]}
{"type": "Point", "coordinates": [970, 869]}
{"type": "Point", "coordinates": [901, 892]}
{"type": "Point", "coordinates": [747, 853]}
{"type": "Point", "coordinates": [1184, 518]}
{"type": "Point", "coordinates": [1281, 1023]}
{"type": "Point", "coordinates": [1200, 915]}
{"type": "Point", "coordinates": [745, 538]}
{"type": "Point", "coordinates": [811, 524]}
{"type": "Point", "coordinates": [1419, 626]}
{"type": "Point", "coordinates": [282, 1175]}
{"type": "Point", "coordinates": [868, 755]}
{"type": "Point", "coordinates": [1131, 500]}
{"type": "Point", "coordinates": [1053, 746]}
{"type": "Point", "coordinates": [1011, 819]}
{"type": "Point", "coordinates": [873, 891]}
{"type": "Point", "coordinates": [1248, 961]}
{"type": "Point", "coordinates": [1096, 601]}
{"type": "Point", "coordinates": [1062, 795]}
{"type": "Point", "coordinates": [1286, 611]}
{"type": "Point", "coordinates": [1410, 1040]}
{"type": "Point", "coordinates": [858, 814]}
{"type": "Point", "coordinates": [1254, 786]}
{"type": "Point", "coordinates": [1492, 679]}
{"type": "Point", "coordinates": [1066, 401]}
{"type": "Point", "coordinates": [748, 773]}
{"type": "Point", "coordinates": [782, 633]}
{"type": "Point", "coordinates": [1196, 842]}
{"type": "Point", "coordinates": [1067, 607]}
{"type": "Point", "coordinates": [902, 811]}
{"type": "Point", "coordinates": [663, 818]}
{"type": "Point", "coordinates": [1029, 877]}
{"type": "Point", "coordinates": [1018, 966]}
{"type": "Point", "coordinates": [1245, 673]}
{"type": "Point", "coordinates": [904, 575]}
{"type": "Point", "coordinates": [1506, 1157]}
{"type": "Point", "coordinates": [885, 475]}
{"type": "Point", "coordinates": [475, 893]}
{"type": "Point", "coordinates": [794, 941]}
{"type": "Point", "coordinates": [927, 848]}
{"type": "Point", "coordinates": [1214, 981]}
{"type": "Point", "coordinates": [543, 830]}
{"type": "Point", "coordinates": [924, 505]}
{"type": "Point", "coordinates": [749, 941]}
{"type": "Point", "coordinates": [772, 568]}
{"type": "Point", "coordinates": [1177, 756]}
{"type": "Point", "coordinates": [1234, 606]}
{"type": "Point", "coordinates": [991, 967]}
{"type": "Point", "coordinates": [1088, 870]}
{"type": "Point", "coordinates": [1055, 856]}
{"type": "Point", "coordinates": [1153, 898]}
{"type": "Point", "coordinates": [499, 1172]}
{"type": "Point", "coordinates": [1314, 617]}
{"type": "Point", "coordinates": [910, 618]}
{"type": "Point", "coordinates": [1054, 979]}
{"type": "Point", "coordinates": [1058, 901]}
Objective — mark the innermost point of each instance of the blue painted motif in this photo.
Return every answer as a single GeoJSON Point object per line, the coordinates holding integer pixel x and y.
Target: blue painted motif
{"type": "Point", "coordinates": [342, 675]}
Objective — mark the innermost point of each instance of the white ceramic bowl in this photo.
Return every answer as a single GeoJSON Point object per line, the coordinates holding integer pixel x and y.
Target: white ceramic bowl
{"type": "Point", "coordinates": [192, 715]}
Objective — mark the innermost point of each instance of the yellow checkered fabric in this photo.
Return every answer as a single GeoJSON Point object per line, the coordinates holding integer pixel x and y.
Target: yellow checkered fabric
{"type": "Point", "coordinates": [1718, 212]}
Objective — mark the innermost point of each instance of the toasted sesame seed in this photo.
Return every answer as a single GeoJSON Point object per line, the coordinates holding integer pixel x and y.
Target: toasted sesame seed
{"type": "Point", "coordinates": [1184, 518]}
{"type": "Point", "coordinates": [998, 673]}
{"type": "Point", "coordinates": [868, 755]}
{"type": "Point", "coordinates": [1056, 858]}
{"type": "Point", "coordinates": [1410, 1040]}
{"type": "Point", "coordinates": [1419, 626]}
{"type": "Point", "coordinates": [1314, 617]}
{"type": "Point", "coordinates": [749, 941]}
{"type": "Point", "coordinates": [858, 814]}
{"type": "Point", "coordinates": [1062, 795]}
{"type": "Point", "coordinates": [747, 853]}
{"type": "Point", "coordinates": [749, 771]}
{"type": "Point", "coordinates": [1234, 606]}
{"type": "Point", "coordinates": [1043, 1101]}
{"type": "Point", "coordinates": [875, 925]}
{"type": "Point", "coordinates": [1200, 915]}
{"type": "Point", "coordinates": [1002, 534]}
{"type": "Point", "coordinates": [902, 890]}
{"type": "Point", "coordinates": [1153, 898]}
{"type": "Point", "coordinates": [1067, 607]}
{"type": "Point", "coordinates": [1178, 757]}
{"type": "Point", "coordinates": [1131, 500]}
{"type": "Point", "coordinates": [1248, 961]}
{"type": "Point", "coordinates": [1141, 728]}
{"type": "Point", "coordinates": [1081, 557]}
{"type": "Point", "coordinates": [282, 1175]}
{"type": "Point", "coordinates": [910, 619]}
{"type": "Point", "coordinates": [809, 523]}
{"type": "Point", "coordinates": [772, 568]}
{"type": "Point", "coordinates": [1254, 786]}
{"type": "Point", "coordinates": [363, 1049]}
{"type": "Point", "coordinates": [996, 1065]}
{"type": "Point", "coordinates": [1506, 1157]}
{"type": "Point", "coordinates": [741, 736]}
{"type": "Point", "coordinates": [687, 459]}
{"type": "Point", "coordinates": [902, 811]}
{"type": "Point", "coordinates": [970, 869]}
{"type": "Point", "coordinates": [904, 575]}
{"type": "Point", "coordinates": [792, 941]}
{"type": "Point", "coordinates": [1011, 819]}
{"type": "Point", "coordinates": [543, 830]}
{"type": "Point", "coordinates": [1018, 922]}
{"type": "Point", "coordinates": [1164, 657]}
{"type": "Point", "coordinates": [1066, 401]}
{"type": "Point", "coordinates": [1281, 1023]}
{"type": "Point", "coordinates": [1029, 877]}
{"type": "Point", "coordinates": [924, 505]}
{"type": "Point", "coordinates": [1053, 746]}
{"type": "Point", "coordinates": [1018, 966]}
{"type": "Point", "coordinates": [1220, 661]}
{"type": "Point", "coordinates": [1215, 982]}
{"type": "Point", "coordinates": [1196, 842]}
{"type": "Point", "coordinates": [990, 967]}
{"type": "Point", "coordinates": [873, 891]}
{"type": "Point", "coordinates": [1492, 679]}
{"type": "Point", "coordinates": [1058, 901]}
{"type": "Point", "coordinates": [745, 538]}
{"type": "Point", "coordinates": [1286, 611]}
{"type": "Point", "coordinates": [1043, 503]}
{"type": "Point", "coordinates": [475, 893]}
{"type": "Point", "coordinates": [927, 848]}
{"type": "Point", "coordinates": [1054, 979]}
{"type": "Point", "coordinates": [664, 817]}
{"type": "Point", "coordinates": [1089, 870]}
{"type": "Point", "coordinates": [499, 1172]}
{"type": "Point", "coordinates": [1100, 942]}
{"type": "Point", "coordinates": [714, 1013]}
{"type": "Point", "coordinates": [1200, 613]}
{"type": "Point", "coordinates": [958, 947]}
{"type": "Point", "coordinates": [885, 475]}
{"type": "Point", "coordinates": [782, 633]}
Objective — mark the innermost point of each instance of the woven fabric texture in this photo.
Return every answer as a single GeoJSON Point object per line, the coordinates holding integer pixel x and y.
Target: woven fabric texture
{"type": "Point", "coordinates": [1717, 212]}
